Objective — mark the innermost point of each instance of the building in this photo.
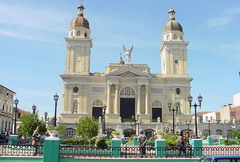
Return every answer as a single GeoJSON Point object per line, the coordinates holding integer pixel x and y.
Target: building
{"type": "Point", "coordinates": [6, 109]}
{"type": "Point", "coordinates": [211, 117]}
{"type": "Point", "coordinates": [129, 91]}
{"type": "Point", "coordinates": [236, 99]}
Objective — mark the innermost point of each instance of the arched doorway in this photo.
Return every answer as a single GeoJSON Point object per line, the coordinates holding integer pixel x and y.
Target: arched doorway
{"type": "Point", "coordinates": [129, 132]}
{"type": "Point", "coordinates": [127, 103]}
{"type": "Point", "coordinates": [109, 131]}
{"type": "Point", "coordinates": [148, 132]}
{"type": "Point", "coordinates": [71, 132]}
{"type": "Point", "coordinates": [97, 109]}
{"type": "Point", "coordinates": [156, 111]}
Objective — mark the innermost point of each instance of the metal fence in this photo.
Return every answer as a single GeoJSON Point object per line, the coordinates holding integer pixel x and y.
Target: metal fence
{"type": "Point", "coordinates": [20, 150]}
{"type": "Point", "coordinates": [150, 152]}
{"type": "Point", "coordinates": [123, 152]}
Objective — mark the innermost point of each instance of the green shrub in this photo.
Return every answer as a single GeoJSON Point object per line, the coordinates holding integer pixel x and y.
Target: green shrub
{"type": "Point", "coordinates": [101, 143]}
{"type": "Point", "coordinates": [73, 141]}
{"type": "Point", "coordinates": [171, 139]}
{"type": "Point", "coordinates": [115, 133]}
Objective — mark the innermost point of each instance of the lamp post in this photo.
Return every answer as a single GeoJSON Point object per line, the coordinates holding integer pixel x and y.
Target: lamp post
{"type": "Point", "coordinates": [173, 110]}
{"type": "Point", "coordinates": [209, 131]}
{"type": "Point", "coordinates": [103, 118]}
{"type": "Point", "coordinates": [34, 108]}
{"type": "Point", "coordinates": [138, 124]}
{"type": "Point", "coordinates": [55, 97]}
{"type": "Point", "coordinates": [16, 101]}
{"type": "Point", "coordinates": [188, 123]}
{"type": "Point", "coordinates": [195, 107]}
{"type": "Point", "coordinates": [135, 123]}
{"type": "Point", "coordinates": [45, 114]}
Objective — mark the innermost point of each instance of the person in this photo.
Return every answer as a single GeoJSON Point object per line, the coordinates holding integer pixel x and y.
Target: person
{"type": "Point", "coordinates": [36, 139]}
{"type": "Point", "coordinates": [142, 139]}
{"type": "Point", "coordinates": [181, 144]}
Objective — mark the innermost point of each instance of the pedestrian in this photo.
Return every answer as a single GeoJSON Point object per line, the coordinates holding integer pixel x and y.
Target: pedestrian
{"type": "Point", "coordinates": [36, 139]}
{"type": "Point", "coordinates": [142, 139]}
{"type": "Point", "coordinates": [181, 144]}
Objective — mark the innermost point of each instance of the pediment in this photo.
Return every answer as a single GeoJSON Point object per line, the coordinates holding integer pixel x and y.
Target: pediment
{"type": "Point", "coordinates": [128, 72]}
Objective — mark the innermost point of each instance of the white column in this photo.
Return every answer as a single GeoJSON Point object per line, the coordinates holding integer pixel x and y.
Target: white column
{"type": "Point", "coordinates": [116, 100]}
{"type": "Point", "coordinates": [146, 99]}
{"type": "Point", "coordinates": [108, 98]}
{"type": "Point", "coordinates": [139, 100]}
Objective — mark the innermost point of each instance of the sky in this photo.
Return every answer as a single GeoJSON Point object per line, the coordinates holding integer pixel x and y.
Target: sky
{"type": "Point", "coordinates": [33, 50]}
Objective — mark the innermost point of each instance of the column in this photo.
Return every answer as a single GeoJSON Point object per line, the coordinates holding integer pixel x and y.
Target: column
{"type": "Point", "coordinates": [160, 148]}
{"type": "Point", "coordinates": [85, 99]}
{"type": "Point", "coordinates": [69, 107]}
{"type": "Point", "coordinates": [146, 99]}
{"type": "Point", "coordinates": [139, 100]}
{"type": "Point", "coordinates": [51, 149]}
{"type": "Point", "coordinates": [116, 100]}
{"type": "Point", "coordinates": [108, 98]}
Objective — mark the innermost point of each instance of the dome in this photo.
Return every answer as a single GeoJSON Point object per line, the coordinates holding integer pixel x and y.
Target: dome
{"type": "Point", "coordinates": [79, 21]}
{"type": "Point", "coordinates": [173, 25]}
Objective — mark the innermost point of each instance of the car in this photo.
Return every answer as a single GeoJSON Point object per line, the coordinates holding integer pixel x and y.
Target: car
{"type": "Point", "coordinates": [220, 159]}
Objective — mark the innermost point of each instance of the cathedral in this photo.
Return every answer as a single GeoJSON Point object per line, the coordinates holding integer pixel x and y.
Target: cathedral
{"type": "Point", "coordinates": [125, 94]}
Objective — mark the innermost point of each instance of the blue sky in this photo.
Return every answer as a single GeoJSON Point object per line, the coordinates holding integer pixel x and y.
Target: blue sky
{"type": "Point", "coordinates": [33, 50]}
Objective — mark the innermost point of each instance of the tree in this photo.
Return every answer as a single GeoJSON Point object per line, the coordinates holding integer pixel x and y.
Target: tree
{"type": "Point", "coordinates": [29, 122]}
{"type": "Point", "coordinates": [87, 127]}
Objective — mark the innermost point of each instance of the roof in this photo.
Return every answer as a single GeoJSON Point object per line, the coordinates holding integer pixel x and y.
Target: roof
{"type": "Point", "coordinates": [173, 25]}
{"type": "Point", "coordinates": [7, 88]}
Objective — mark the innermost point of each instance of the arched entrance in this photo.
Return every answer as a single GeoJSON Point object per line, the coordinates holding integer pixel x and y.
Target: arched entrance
{"type": "Point", "coordinates": [97, 109]}
{"type": "Point", "coordinates": [148, 132]}
{"type": "Point", "coordinates": [156, 111]}
{"type": "Point", "coordinates": [129, 132]}
{"type": "Point", "coordinates": [127, 103]}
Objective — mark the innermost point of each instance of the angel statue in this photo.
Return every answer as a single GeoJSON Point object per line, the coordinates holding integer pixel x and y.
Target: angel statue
{"type": "Point", "coordinates": [127, 54]}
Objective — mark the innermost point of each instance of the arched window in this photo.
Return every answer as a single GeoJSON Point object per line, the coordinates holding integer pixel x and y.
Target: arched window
{"type": "Point", "coordinates": [85, 34]}
{"type": "Point", "coordinates": [71, 34]}
{"type": "Point", "coordinates": [219, 132]}
{"type": "Point", "coordinates": [175, 36]}
{"type": "Point", "coordinates": [3, 107]}
{"type": "Point", "coordinates": [78, 33]}
{"type": "Point", "coordinates": [156, 104]}
{"type": "Point", "coordinates": [181, 37]}
{"type": "Point", "coordinates": [75, 105]}
{"type": "Point", "coordinates": [127, 92]}
{"type": "Point", "coordinates": [167, 37]}
{"type": "Point", "coordinates": [7, 108]}
{"type": "Point", "coordinates": [97, 103]}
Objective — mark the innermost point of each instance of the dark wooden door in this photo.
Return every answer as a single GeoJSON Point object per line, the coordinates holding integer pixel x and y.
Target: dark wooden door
{"type": "Point", "coordinates": [127, 108]}
{"type": "Point", "coordinates": [96, 112]}
{"type": "Point", "coordinates": [157, 112]}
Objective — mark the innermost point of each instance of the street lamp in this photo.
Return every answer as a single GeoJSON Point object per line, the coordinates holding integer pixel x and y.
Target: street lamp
{"type": "Point", "coordinates": [16, 101]}
{"type": "Point", "coordinates": [209, 131]}
{"type": "Point", "coordinates": [173, 110]}
{"type": "Point", "coordinates": [135, 123]}
{"type": "Point", "coordinates": [55, 115]}
{"type": "Point", "coordinates": [45, 114]}
{"type": "Point", "coordinates": [190, 98]}
{"type": "Point", "coordinates": [103, 118]}
{"type": "Point", "coordinates": [138, 124]}
{"type": "Point", "coordinates": [188, 124]}
{"type": "Point", "coordinates": [34, 108]}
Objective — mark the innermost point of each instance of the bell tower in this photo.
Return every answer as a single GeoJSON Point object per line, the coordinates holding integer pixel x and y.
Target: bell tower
{"type": "Point", "coordinates": [173, 48]}
{"type": "Point", "coordinates": [79, 45]}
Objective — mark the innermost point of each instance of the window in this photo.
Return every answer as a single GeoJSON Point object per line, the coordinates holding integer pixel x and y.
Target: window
{"type": "Point", "coordinates": [175, 36]}
{"type": "Point", "coordinates": [85, 34]}
{"type": "Point", "coordinates": [97, 103]}
{"type": "Point", "coordinates": [78, 33]}
{"type": "Point", "coordinates": [127, 91]}
{"type": "Point", "coordinates": [75, 105]}
{"type": "Point", "coordinates": [157, 104]}
{"type": "Point", "coordinates": [167, 37]}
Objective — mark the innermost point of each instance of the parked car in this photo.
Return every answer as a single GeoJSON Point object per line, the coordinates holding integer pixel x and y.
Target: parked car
{"type": "Point", "coordinates": [220, 159]}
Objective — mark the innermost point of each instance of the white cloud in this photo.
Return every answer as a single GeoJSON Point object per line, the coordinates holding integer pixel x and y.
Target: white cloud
{"type": "Point", "coordinates": [233, 11]}
{"type": "Point", "coordinates": [218, 21]}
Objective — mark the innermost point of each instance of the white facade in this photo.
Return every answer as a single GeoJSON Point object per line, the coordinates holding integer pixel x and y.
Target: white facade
{"type": "Point", "coordinates": [236, 99]}
{"type": "Point", "coordinates": [225, 113]}
{"type": "Point", "coordinates": [126, 89]}
{"type": "Point", "coordinates": [6, 109]}
{"type": "Point", "coordinates": [211, 117]}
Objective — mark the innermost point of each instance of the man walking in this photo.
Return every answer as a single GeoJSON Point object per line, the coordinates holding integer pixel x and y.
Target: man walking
{"type": "Point", "coordinates": [142, 139]}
